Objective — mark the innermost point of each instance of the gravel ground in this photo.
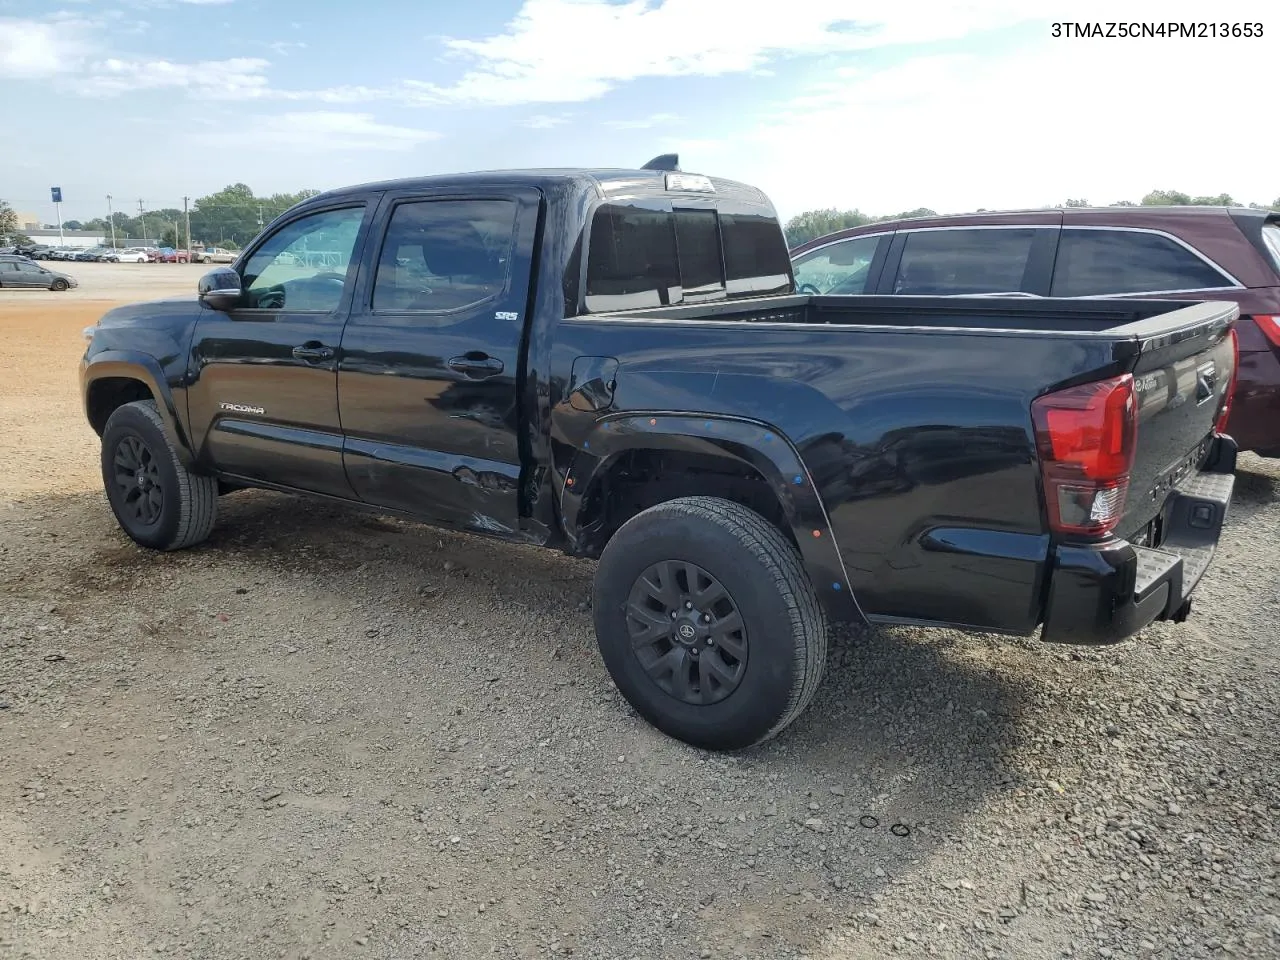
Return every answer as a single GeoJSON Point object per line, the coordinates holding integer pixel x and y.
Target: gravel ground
{"type": "Point", "coordinates": [330, 735]}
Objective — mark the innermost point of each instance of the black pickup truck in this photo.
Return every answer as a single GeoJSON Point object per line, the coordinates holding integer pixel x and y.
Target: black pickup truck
{"type": "Point", "coordinates": [616, 363]}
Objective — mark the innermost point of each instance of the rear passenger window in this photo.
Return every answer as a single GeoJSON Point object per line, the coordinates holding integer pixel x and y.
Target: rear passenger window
{"type": "Point", "coordinates": [442, 255]}
{"type": "Point", "coordinates": [945, 262]}
{"type": "Point", "coordinates": [1094, 263]}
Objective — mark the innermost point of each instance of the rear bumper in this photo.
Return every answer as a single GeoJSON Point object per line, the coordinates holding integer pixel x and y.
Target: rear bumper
{"type": "Point", "coordinates": [1107, 592]}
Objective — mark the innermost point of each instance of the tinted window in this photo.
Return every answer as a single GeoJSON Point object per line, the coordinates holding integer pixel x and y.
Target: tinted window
{"type": "Point", "coordinates": [841, 268]}
{"type": "Point", "coordinates": [698, 239]}
{"type": "Point", "coordinates": [756, 259]}
{"type": "Point", "coordinates": [964, 261]}
{"type": "Point", "coordinates": [303, 265]}
{"type": "Point", "coordinates": [442, 255]}
{"type": "Point", "coordinates": [1096, 262]}
{"type": "Point", "coordinates": [632, 259]}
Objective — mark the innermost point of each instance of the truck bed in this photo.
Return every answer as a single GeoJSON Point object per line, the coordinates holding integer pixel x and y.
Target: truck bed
{"type": "Point", "coordinates": [1039, 316]}
{"type": "Point", "coordinates": [913, 417]}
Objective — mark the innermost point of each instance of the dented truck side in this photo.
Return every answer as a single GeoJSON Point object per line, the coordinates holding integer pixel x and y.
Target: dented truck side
{"type": "Point", "coordinates": [616, 364]}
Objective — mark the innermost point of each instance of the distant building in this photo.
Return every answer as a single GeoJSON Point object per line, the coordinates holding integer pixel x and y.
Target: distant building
{"type": "Point", "coordinates": [70, 238]}
{"type": "Point", "coordinates": [27, 221]}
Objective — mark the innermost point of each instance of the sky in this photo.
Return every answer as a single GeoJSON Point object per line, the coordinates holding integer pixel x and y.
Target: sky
{"type": "Point", "coordinates": [882, 106]}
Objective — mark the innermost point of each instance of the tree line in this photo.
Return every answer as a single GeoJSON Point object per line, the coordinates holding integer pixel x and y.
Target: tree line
{"type": "Point", "coordinates": [229, 218]}
{"type": "Point", "coordinates": [818, 223]}
{"type": "Point", "coordinates": [234, 215]}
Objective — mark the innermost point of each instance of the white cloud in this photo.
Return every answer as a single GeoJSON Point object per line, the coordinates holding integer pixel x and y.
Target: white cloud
{"type": "Point", "coordinates": [32, 49]}
{"type": "Point", "coordinates": [241, 78]}
{"type": "Point", "coordinates": [318, 131]}
{"type": "Point", "coordinates": [573, 50]}
{"type": "Point", "coordinates": [1101, 120]}
{"type": "Point", "coordinates": [644, 123]}
{"type": "Point", "coordinates": [542, 121]}
{"type": "Point", "coordinates": [283, 47]}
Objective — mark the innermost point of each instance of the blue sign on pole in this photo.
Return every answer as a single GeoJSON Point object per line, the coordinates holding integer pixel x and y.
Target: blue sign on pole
{"type": "Point", "coordinates": [57, 194]}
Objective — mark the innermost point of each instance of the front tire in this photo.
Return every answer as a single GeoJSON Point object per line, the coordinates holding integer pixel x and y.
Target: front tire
{"type": "Point", "coordinates": [58, 285]}
{"type": "Point", "coordinates": [708, 623]}
{"type": "Point", "coordinates": [156, 500]}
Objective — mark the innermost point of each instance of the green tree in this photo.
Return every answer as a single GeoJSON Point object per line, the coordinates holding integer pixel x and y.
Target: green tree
{"type": "Point", "coordinates": [1076, 203]}
{"type": "Point", "coordinates": [1166, 198]}
{"type": "Point", "coordinates": [911, 214]}
{"type": "Point", "coordinates": [234, 215]}
{"type": "Point", "coordinates": [72, 225]}
{"type": "Point", "coordinates": [818, 223]}
{"type": "Point", "coordinates": [8, 220]}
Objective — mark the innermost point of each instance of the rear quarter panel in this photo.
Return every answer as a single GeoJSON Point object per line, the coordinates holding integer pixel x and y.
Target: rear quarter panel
{"type": "Point", "coordinates": [919, 442]}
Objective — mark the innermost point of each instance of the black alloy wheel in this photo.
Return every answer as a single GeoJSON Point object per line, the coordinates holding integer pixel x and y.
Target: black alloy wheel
{"type": "Point", "coordinates": [140, 487]}
{"type": "Point", "coordinates": [687, 632]}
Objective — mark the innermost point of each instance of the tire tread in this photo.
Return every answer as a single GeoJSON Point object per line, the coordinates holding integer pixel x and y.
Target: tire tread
{"type": "Point", "coordinates": [197, 494]}
{"type": "Point", "coordinates": [780, 558]}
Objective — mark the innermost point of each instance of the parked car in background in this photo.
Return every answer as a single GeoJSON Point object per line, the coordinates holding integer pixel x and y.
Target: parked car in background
{"type": "Point", "coordinates": [18, 272]}
{"type": "Point", "coordinates": [170, 255]}
{"type": "Point", "coordinates": [91, 254]}
{"type": "Point", "coordinates": [63, 253]}
{"type": "Point", "coordinates": [131, 255]}
{"type": "Point", "coordinates": [1176, 253]}
{"type": "Point", "coordinates": [214, 255]}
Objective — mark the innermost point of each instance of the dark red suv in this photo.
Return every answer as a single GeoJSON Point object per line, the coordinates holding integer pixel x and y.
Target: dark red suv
{"type": "Point", "coordinates": [1183, 253]}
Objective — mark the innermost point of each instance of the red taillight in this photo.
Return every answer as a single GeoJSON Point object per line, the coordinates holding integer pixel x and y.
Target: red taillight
{"type": "Point", "coordinates": [1270, 327]}
{"type": "Point", "coordinates": [1086, 437]}
{"type": "Point", "coordinates": [1220, 426]}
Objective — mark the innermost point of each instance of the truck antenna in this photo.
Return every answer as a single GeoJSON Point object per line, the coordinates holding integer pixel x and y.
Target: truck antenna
{"type": "Point", "coordinates": [666, 161]}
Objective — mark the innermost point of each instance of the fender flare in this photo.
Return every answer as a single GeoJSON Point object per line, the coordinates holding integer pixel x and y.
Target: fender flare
{"type": "Point", "coordinates": [751, 442]}
{"type": "Point", "coordinates": [130, 365]}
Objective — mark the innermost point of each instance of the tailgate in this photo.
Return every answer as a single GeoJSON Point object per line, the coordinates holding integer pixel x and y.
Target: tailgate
{"type": "Point", "coordinates": [1183, 373]}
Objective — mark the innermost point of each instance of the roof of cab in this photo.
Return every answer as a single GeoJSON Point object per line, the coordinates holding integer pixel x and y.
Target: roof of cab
{"type": "Point", "coordinates": [610, 181]}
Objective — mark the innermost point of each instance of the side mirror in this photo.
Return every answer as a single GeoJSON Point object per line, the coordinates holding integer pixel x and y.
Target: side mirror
{"type": "Point", "coordinates": [220, 289]}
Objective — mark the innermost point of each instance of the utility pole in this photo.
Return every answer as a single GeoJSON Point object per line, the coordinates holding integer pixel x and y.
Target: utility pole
{"type": "Point", "coordinates": [259, 216]}
{"type": "Point", "coordinates": [144, 221]}
{"type": "Point", "coordinates": [111, 219]}
{"type": "Point", "coordinates": [187, 214]}
{"type": "Point", "coordinates": [57, 205]}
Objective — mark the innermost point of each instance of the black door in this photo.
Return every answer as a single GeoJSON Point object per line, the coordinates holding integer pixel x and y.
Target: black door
{"type": "Point", "coordinates": [427, 382]}
{"type": "Point", "coordinates": [264, 398]}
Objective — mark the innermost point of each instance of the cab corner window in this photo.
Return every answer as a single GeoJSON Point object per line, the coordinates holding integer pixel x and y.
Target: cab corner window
{"type": "Point", "coordinates": [1093, 263]}
{"type": "Point", "coordinates": [303, 266]}
{"type": "Point", "coordinates": [964, 261]}
{"type": "Point", "coordinates": [441, 256]}
{"type": "Point", "coordinates": [840, 268]}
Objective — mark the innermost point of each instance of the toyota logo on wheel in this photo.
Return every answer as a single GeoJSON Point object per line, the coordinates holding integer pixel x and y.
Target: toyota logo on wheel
{"type": "Point", "coordinates": [686, 631]}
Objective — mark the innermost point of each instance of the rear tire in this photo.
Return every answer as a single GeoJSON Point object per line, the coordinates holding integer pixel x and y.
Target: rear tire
{"type": "Point", "coordinates": [667, 590]}
{"type": "Point", "coordinates": [156, 500]}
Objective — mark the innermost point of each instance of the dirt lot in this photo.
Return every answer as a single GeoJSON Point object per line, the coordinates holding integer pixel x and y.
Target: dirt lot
{"type": "Point", "coordinates": [328, 735]}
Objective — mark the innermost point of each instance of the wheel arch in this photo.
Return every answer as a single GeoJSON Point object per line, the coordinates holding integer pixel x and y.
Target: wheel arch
{"type": "Point", "coordinates": [616, 472]}
{"type": "Point", "coordinates": [112, 379]}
